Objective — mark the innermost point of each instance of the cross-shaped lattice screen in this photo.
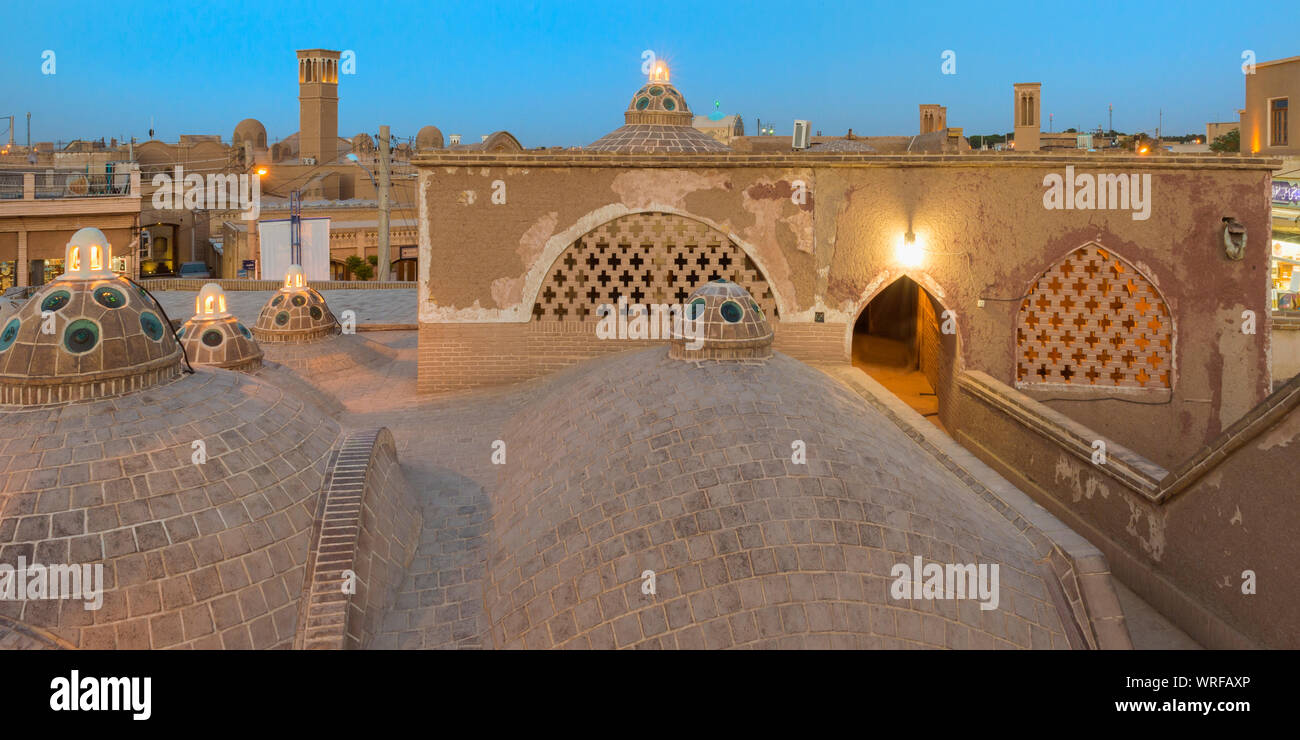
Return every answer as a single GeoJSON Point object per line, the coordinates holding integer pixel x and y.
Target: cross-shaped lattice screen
{"type": "Point", "coordinates": [1092, 319]}
{"type": "Point", "coordinates": [648, 258]}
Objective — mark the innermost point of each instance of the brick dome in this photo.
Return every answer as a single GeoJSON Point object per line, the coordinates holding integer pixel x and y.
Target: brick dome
{"type": "Point", "coordinates": [215, 337]}
{"type": "Point", "coordinates": [637, 462]}
{"type": "Point", "coordinates": [722, 322]}
{"type": "Point", "coordinates": [657, 120]}
{"type": "Point", "coordinates": [103, 336]}
{"type": "Point", "coordinates": [296, 313]}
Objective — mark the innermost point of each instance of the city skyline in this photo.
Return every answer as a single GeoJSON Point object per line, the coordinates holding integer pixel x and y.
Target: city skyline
{"type": "Point", "coordinates": [475, 70]}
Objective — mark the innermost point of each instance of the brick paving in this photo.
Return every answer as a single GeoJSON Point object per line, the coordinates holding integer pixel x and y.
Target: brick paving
{"type": "Point", "coordinates": [372, 306]}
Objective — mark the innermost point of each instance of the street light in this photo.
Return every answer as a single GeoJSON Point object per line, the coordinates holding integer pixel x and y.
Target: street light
{"type": "Point", "coordinates": [352, 157]}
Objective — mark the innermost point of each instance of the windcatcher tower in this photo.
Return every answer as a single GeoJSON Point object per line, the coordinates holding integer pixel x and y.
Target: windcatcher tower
{"type": "Point", "coordinates": [318, 104]}
{"type": "Point", "coordinates": [1028, 116]}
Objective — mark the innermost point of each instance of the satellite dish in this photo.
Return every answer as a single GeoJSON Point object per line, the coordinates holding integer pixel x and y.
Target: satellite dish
{"type": "Point", "coordinates": [717, 114]}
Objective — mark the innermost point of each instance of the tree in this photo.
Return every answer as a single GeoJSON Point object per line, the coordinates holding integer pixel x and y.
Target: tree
{"type": "Point", "coordinates": [364, 271]}
{"type": "Point", "coordinates": [1229, 142]}
{"type": "Point", "coordinates": [355, 266]}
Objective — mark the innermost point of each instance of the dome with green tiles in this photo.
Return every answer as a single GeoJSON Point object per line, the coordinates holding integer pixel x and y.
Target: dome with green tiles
{"type": "Point", "coordinates": [296, 313]}
{"type": "Point", "coordinates": [89, 333]}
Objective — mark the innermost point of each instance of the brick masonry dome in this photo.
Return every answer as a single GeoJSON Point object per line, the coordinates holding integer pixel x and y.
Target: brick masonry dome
{"type": "Point", "coordinates": [722, 322]}
{"type": "Point", "coordinates": [657, 120]}
{"type": "Point", "coordinates": [639, 462]}
{"type": "Point", "coordinates": [194, 555]}
{"type": "Point", "coordinates": [656, 98]}
{"type": "Point", "coordinates": [296, 313]}
{"type": "Point", "coordinates": [429, 137]}
{"type": "Point", "coordinates": [250, 130]}
{"type": "Point", "coordinates": [214, 337]}
{"type": "Point", "coordinates": [88, 334]}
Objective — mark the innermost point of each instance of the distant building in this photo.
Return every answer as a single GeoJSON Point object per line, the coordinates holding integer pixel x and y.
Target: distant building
{"type": "Point", "coordinates": [724, 129]}
{"type": "Point", "coordinates": [1215, 130]}
{"type": "Point", "coordinates": [1266, 124]}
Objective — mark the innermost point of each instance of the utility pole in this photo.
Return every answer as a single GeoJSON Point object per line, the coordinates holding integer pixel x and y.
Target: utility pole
{"type": "Point", "coordinates": [385, 262]}
{"type": "Point", "coordinates": [1110, 118]}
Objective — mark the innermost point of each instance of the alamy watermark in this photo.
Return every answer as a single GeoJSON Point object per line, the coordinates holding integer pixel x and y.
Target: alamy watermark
{"type": "Point", "coordinates": [1085, 192]}
{"type": "Point", "coordinates": [218, 192]}
{"type": "Point", "coordinates": [653, 321]}
{"type": "Point", "coordinates": [946, 581]}
{"type": "Point", "coordinates": [37, 582]}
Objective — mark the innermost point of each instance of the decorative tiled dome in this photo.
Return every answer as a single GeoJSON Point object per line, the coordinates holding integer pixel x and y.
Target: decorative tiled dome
{"type": "Point", "coordinates": [215, 337]}
{"type": "Point", "coordinates": [88, 334]}
{"type": "Point", "coordinates": [658, 102]}
{"type": "Point", "coordinates": [722, 322]}
{"type": "Point", "coordinates": [296, 313]}
{"type": "Point", "coordinates": [657, 120]}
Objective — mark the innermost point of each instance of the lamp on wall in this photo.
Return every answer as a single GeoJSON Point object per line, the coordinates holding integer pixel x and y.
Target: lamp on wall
{"type": "Point", "coordinates": [909, 252]}
{"type": "Point", "coordinates": [1234, 238]}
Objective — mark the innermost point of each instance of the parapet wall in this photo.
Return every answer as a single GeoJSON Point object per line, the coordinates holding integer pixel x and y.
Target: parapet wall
{"type": "Point", "coordinates": [1186, 541]}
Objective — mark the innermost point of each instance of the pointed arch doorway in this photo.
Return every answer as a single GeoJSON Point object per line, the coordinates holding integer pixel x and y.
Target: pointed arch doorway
{"type": "Point", "coordinates": [897, 340]}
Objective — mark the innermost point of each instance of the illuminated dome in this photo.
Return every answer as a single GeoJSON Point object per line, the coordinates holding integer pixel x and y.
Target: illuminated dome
{"type": "Point", "coordinates": [723, 322]}
{"type": "Point", "coordinates": [103, 336]}
{"type": "Point", "coordinates": [657, 120]}
{"type": "Point", "coordinates": [429, 137]}
{"type": "Point", "coordinates": [251, 130]}
{"type": "Point", "coordinates": [296, 313]}
{"type": "Point", "coordinates": [215, 337]}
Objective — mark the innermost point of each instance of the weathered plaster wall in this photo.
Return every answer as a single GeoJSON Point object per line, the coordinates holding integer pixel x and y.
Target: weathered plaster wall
{"type": "Point", "coordinates": [1183, 540]}
{"type": "Point", "coordinates": [981, 219]}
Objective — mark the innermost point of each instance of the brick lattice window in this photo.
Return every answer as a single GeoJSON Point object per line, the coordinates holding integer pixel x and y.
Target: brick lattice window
{"type": "Point", "coordinates": [647, 258]}
{"type": "Point", "coordinates": [1092, 319]}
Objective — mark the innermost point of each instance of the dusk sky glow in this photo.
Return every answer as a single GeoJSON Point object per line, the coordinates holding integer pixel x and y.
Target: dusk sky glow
{"type": "Point", "coordinates": [560, 73]}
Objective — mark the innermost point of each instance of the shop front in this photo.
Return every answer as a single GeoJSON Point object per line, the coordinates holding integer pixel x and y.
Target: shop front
{"type": "Point", "coordinates": [1286, 244]}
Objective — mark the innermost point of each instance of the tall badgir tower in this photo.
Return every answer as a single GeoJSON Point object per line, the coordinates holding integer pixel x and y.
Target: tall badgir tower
{"type": "Point", "coordinates": [933, 118]}
{"type": "Point", "coordinates": [1027, 115]}
{"type": "Point", "coordinates": [318, 104]}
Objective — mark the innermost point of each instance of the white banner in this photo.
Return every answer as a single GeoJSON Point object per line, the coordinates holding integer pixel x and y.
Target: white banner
{"type": "Point", "coordinates": [273, 238]}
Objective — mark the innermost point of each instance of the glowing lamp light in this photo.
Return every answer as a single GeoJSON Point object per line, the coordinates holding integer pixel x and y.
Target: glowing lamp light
{"type": "Point", "coordinates": [659, 73]}
{"type": "Point", "coordinates": [261, 171]}
{"type": "Point", "coordinates": [211, 302]}
{"type": "Point", "coordinates": [909, 252]}
{"type": "Point", "coordinates": [294, 278]}
{"type": "Point", "coordinates": [86, 255]}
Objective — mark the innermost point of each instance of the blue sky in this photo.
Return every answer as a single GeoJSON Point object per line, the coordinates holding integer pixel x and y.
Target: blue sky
{"type": "Point", "coordinates": [561, 73]}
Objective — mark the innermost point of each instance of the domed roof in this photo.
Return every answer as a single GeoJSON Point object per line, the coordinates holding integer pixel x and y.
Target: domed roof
{"type": "Point", "coordinates": [658, 97]}
{"type": "Point", "coordinates": [207, 551]}
{"type": "Point", "coordinates": [722, 322]}
{"type": "Point", "coordinates": [637, 462]}
{"type": "Point", "coordinates": [657, 120]}
{"type": "Point", "coordinates": [213, 336]}
{"type": "Point", "coordinates": [88, 334]}
{"type": "Point", "coordinates": [295, 313]}
{"type": "Point", "coordinates": [429, 137]}
{"type": "Point", "coordinates": [249, 129]}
